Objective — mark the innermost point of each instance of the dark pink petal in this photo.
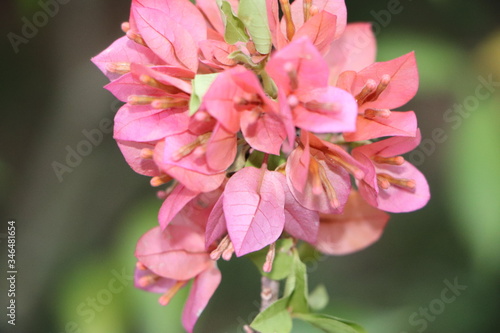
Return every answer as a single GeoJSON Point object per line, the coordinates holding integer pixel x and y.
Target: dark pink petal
{"type": "Point", "coordinates": [221, 149]}
{"type": "Point", "coordinates": [203, 288]}
{"type": "Point", "coordinates": [266, 133]}
{"type": "Point", "coordinates": [398, 124]}
{"type": "Point", "coordinates": [303, 57]}
{"type": "Point", "coordinates": [213, 14]}
{"type": "Point", "coordinates": [254, 203]}
{"type": "Point", "coordinates": [354, 50]}
{"type": "Point", "coordinates": [358, 227]}
{"type": "Point", "coordinates": [320, 29]}
{"type": "Point", "coordinates": [332, 110]}
{"type": "Point", "coordinates": [132, 153]}
{"type": "Point", "coordinates": [141, 123]}
{"type": "Point", "coordinates": [402, 86]}
{"type": "Point", "coordinates": [177, 253]}
{"type": "Point", "coordinates": [123, 52]}
{"type": "Point", "coordinates": [334, 7]}
{"type": "Point", "coordinates": [286, 116]}
{"type": "Point", "coordinates": [400, 200]}
{"type": "Point", "coordinates": [297, 167]}
{"type": "Point", "coordinates": [279, 40]}
{"type": "Point", "coordinates": [216, 225]}
{"type": "Point", "coordinates": [166, 37]}
{"type": "Point", "coordinates": [174, 203]}
{"type": "Point", "coordinates": [217, 52]}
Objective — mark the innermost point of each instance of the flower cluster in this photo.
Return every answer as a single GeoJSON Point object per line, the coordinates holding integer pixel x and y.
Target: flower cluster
{"type": "Point", "coordinates": [261, 127]}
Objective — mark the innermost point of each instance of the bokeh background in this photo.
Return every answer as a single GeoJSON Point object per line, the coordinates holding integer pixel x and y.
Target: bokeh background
{"type": "Point", "coordinates": [77, 233]}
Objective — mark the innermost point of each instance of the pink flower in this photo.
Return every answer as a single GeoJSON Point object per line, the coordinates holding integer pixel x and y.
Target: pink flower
{"type": "Point", "coordinates": [391, 183]}
{"type": "Point", "coordinates": [168, 260]}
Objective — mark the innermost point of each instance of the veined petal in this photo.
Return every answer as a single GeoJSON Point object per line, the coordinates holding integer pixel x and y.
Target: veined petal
{"type": "Point", "coordinates": [132, 152]}
{"type": "Point", "coordinates": [334, 7]}
{"type": "Point", "coordinates": [397, 124]}
{"type": "Point", "coordinates": [174, 203]}
{"type": "Point", "coordinates": [320, 29]}
{"type": "Point", "coordinates": [254, 202]}
{"type": "Point", "coordinates": [203, 288]}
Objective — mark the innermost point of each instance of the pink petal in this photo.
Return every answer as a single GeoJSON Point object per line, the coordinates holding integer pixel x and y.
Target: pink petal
{"type": "Point", "coordinates": [399, 200]}
{"type": "Point", "coordinates": [203, 288]}
{"type": "Point", "coordinates": [391, 147]}
{"type": "Point", "coordinates": [160, 286]}
{"type": "Point", "coordinates": [163, 74]}
{"type": "Point", "coordinates": [221, 149]}
{"type": "Point", "coordinates": [132, 153]}
{"type": "Point", "coordinates": [216, 225]}
{"type": "Point", "coordinates": [266, 133]}
{"type": "Point", "coordinates": [320, 29]}
{"type": "Point", "coordinates": [300, 222]}
{"type": "Point", "coordinates": [398, 124]}
{"type": "Point", "coordinates": [124, 51]}
{"type": "Point", "coordinates": [193, 180]}
{"type": "Point", "coordinates": [177, 253]}
{"type": "Point", "coordinates": [213, 14]}
{"type": "Point", "coordinates": [301, 55]}
{"type": "Point", "coordinates": [335, 7]}
{"type": "Point", "coordinates": [174, 203]}
{"type": "Point", "coordinates": [402, 87]}
{"type": "Point", "coordinates": [337, 176]}
{"type": "Point", "coordinates": [354, 50]}
{"type": "Point", "coordinates": [358, 227]}
{"type": "Point", "coordinates": [279, 40]}
{"type": "Point", "coordinates": [167, 38]}
{"type": "Point", "coordinates": [141, 123]}
{"type": "Point", "coordinates": [337, 115]}
{"type": "Point", "coordinates": [254, 203]}
{"type": "Point", "coordinates": [217, 52]}
{"type": "Point", "coordinates": [128, 85]}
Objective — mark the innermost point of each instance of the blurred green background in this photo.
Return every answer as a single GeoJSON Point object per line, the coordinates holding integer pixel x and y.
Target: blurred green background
{"type": "Point", "coordinates": [76, 235]}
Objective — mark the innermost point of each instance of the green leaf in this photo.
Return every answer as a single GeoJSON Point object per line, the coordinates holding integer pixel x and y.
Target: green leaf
{"type": "Point", "coordinates": [274, 319]}
{"type": "Point", "coordinates": [282, 265]}
{"type": "Point", "coordinates": [318, 298]}
{"type": "Point", "coordinates": [201, 83]}
{"type": "Point", "coordinates": [253, 13]}
{"type": "Point", "coordinates": [330, 324]}
{"type": "Point", "coordinates": [296, 286]}
{"type": "Point", "coordinates": [235, 29]}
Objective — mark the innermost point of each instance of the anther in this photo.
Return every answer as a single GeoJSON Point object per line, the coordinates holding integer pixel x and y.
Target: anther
{"type": "Point", "coordinates": [374, 113]}
{"type": "Point", "coordinates": [307, 9]}
{"type": "Point", "coordinates": [370, 87]}
{"type": "Point", "coordinates": [190, 147]}
{"type": "Point", "coordinates": [352, 169]}
{"type": "Point", "coordinates": [118, 67]}
{"type": "Point", "coordinates": [318, 106]}
{"type": "Point", "coordinates": [384, 179]}
{"type": "Point", "coordinates": [228, 252]}
{"type": "Point", "coordinates": [140, 266]}
{"type": "Point", "coordinates": [165, 298]}
{"type": "Point", "coordinates": [396, 160]}
{"type": "Point", "coordinates": [223, 245]}
{"type": "Point", "coordinates": [290, 69]}
{"type": "Point", "coordinates": [147, 153]}
{"type": "Point", "coordinates": [148, 280]}
{"type": "Point", "coordinates": [125, 27]}
{"type": "Point", "coordinates": [293, 101]}
{"type": "Point", "coordinates": [329, 190]}
{"type": "Point", "coordinates": [160, 180]}
{"type": "Point", "coordinates": [268, 265]}
{"type": "Point", "coordinates": [136, 37]}
{"type": "Point", "coordinates": [287, 14]}
{"type": "Point", "coordinates": [384, 82]}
